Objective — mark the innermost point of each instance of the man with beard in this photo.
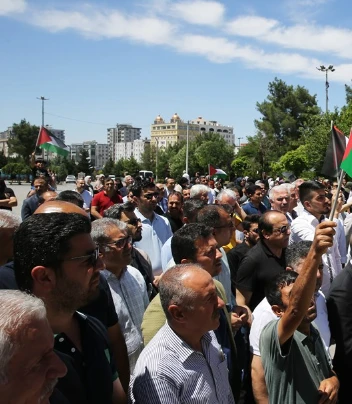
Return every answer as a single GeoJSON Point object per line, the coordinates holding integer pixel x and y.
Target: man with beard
{"type": "Point", "coordinates": [296, 366]}
{"type": "Point", "coordinates": [31, 204]}
{"type": "Point", "coordinates": [316, 206]}
{"type": "Point", "coordinates": [139, 259]}
{"type": "Point", "coordinates": [127, 285]}
{"type": "Point", "coordinates": [174, 210]}
{"type": "Point", "coordinates": [156, 228]}
{"type": "Point", "coordinates": [62, 268]}
{"type": "Point", "coordinates": [29, 367]}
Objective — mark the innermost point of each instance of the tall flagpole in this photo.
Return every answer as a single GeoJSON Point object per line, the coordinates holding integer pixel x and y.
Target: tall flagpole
{"type": "Point", "coordinates": [187, 148]}
{"type": "Point", "coordinates": [339, 184]}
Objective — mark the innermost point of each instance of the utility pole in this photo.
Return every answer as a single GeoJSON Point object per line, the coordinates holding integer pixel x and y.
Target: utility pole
{"type": "Point", "coordinates": [239, 143]}
{"type": "Point", "coordinates": [324, 69]}
{"type": "Point", "coordinates": [42, 99]}
{"type": "Point", "coordinates": [187, 148]}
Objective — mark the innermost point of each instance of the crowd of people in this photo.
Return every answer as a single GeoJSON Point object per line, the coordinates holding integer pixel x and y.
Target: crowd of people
{"type": "Point", "coordinates": [178, 291]}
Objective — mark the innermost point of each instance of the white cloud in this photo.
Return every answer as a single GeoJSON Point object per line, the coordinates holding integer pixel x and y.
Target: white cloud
{"type": "Point", "coordinates": [310, 37]}
{"type": "Point", "coordinates": [199, 12]}
{"type": "Point", "coordinates": [251, 26]}
{"type": "Point", "coordinates": [108, 24]}
{"type": "Point", "coordinates": [12, 6]}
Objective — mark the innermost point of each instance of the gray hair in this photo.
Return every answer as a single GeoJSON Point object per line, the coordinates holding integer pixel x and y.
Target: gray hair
{"type": "Point", "coordinates": [277, 188]}
{"type": "Point", "coordinates": [172, 289]}
{"type": "Point", "coordinates": [101, 228]}
{"type": "Point", "coordinates": [198, 189]}
{"type": "Point", "coordinates": [16, 311]}
{"type": "Point", "coordinates": [226, 192]}
{"type": "Point", "coordinates": [9, 220]}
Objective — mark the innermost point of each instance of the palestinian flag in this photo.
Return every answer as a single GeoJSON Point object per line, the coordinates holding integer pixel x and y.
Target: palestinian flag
{"type": "Point", "coordinates": [346, 163]}
{"type": "Point", "coordinates": [47, 141]}
{"type": "Point", "coordinates": [216, 172]}
{"type": "Point", "coordinates": [334, 153]}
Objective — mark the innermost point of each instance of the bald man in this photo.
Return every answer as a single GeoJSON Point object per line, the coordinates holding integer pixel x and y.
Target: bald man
{"type": "Point", "coordinates": [102, 307]}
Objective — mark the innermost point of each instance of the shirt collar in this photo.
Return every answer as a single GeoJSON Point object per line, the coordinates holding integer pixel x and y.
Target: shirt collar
{"type": "Point", "coordinates": [302, 337]}
{"type": "Point", "coordinates": [143, 218]}
{"type": "Point", "coordinates": [311, 219]}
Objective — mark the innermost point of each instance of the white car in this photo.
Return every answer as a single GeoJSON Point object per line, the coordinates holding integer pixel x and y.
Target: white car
{"type": "Point", "coordinates": [70, 178]}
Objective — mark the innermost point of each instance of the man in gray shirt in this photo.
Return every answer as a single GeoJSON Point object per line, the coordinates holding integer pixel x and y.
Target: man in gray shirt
{"type": "Point", "coordinates": [296, 367]}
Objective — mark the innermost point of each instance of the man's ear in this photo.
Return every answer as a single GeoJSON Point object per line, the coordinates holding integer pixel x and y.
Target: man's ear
{"type": "Point", "coordinates": [186, 261]}
{"type": "Point", "coordinates": [44, 278]}
{"type": "Point", "coordinates": [176, 313]}
{"type": "Point", "coordinates": [136, 200]}
{"type": "Point", "coordinates": [277, 310]}
{"type": "Point", "coordinates": [266, 235]}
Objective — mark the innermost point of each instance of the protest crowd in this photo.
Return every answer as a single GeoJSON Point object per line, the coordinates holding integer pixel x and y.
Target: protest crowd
{"type": "Point", "coordinates": [189, 290]}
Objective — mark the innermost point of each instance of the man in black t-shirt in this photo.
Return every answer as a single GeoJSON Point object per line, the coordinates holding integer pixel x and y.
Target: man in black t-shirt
{"type": "Point", "coordinates": [8, 199]}
{"type": "Point", "coordinates": [39, 170]}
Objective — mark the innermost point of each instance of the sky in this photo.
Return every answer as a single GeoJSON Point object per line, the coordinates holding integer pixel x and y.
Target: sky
{"type": "Point", "coordinates": [103, 62]}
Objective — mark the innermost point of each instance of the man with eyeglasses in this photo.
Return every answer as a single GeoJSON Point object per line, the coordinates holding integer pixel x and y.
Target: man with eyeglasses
{"type": "Point", "coordinates": [56, 259]}
{"type": "Point", "coordinates": [316, 207]}
{"type": "Point", "coordinates": [139, 258]}
{"type": "Point", "coordinates": [126, 283]}
{"type": "Point", "coordinates": [264, 261]}
{"type": "Point", "coordinates": [156, 228]}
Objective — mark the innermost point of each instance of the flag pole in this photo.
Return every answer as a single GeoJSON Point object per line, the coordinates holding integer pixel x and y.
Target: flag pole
{"type": "Point", "coordinates": [339, 184]}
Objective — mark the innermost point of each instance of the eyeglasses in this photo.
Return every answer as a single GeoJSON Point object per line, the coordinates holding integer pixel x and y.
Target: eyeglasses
{"type": "Point", "coordinates": [282, 229]}
{"type": "Point", "coordinates": [122, 242]}
{"type": "Point", "coordinates": [134, 221]}
{"type": "Point", "coordinates": [229, 209]}
{"type": "Point", "coordinates": [151, 195]}
{"type": "Point", "coordinates": [90, 258]}
{"type": "Point", "coordinates": [256, 230]}
{"type": "Point", "coordinates": [229, 225]}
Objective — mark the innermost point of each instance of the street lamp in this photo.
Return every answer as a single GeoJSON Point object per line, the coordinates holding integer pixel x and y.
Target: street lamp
{"type": "Point", "coordinates": [42, 99]}
{"type": "Point", "coordinates": [330, 68]}
{"type": "Point", "coordinates": [239, 142]}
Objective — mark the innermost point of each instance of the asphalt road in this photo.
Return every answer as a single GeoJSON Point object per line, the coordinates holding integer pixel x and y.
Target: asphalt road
{"type": "Point", "coordinates": [22, 190]}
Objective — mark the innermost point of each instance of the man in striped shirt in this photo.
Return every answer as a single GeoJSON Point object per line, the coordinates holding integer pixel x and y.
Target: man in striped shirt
{"type": "Point", "coordinates": [184, 363]}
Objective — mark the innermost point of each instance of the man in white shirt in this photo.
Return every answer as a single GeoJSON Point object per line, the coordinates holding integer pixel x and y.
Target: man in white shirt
{"type": "Point", "coordinates": [86, 195]}
{"type": "Point", "coordinates": [316, 206]}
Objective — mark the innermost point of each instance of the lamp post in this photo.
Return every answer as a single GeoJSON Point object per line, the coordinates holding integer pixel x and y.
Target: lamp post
{"type": "Point", "coordinates": [324, 69]}
{"type": "Point", "coordinates": [239, 143]}
{"type": "Point", "coordinates": [42, 99]}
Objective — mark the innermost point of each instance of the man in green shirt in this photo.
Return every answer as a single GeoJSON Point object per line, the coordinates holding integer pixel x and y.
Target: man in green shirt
{"type": "Point", "coordinates": [296, 367]}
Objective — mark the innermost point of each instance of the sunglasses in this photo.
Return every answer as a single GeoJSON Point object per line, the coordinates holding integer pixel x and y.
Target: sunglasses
{"type": "Point", "coordinates": [91, 259]}
{"type": "Point", "coordinates": [282, 229]}
{"type": "Point", "coordinates": [151, 195]}
{"type": "Point", "coordinates": [256, 230]}
{"type": "Point", "coordinates": [122, 242]}
{"type": "Point", "coordinates": [229, 209]}
{"type": "Point", "coordinates": [134, 222]}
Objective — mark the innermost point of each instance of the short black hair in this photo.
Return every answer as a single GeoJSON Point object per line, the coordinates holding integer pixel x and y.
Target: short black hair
{"type": "Point", "coordinates": [273, 291]}
{"type": "Point", "coordinates": [306, 189]}
{"type": "Point", "coordinates": [44, 239]}
{"type": "Point", "coordinates": [248, 220]}
{"type": "Point", "coordinates": [175, 193]}
{"type": "Point", "coordinates": [252, 188]}
{"type": "Point", "coordinates": [72, 197]}
{"type": "Point", "coordinates": [184, 239]}
{"type": "Point", "coordinates": [114, 212]}
{"type": "Point", "coordinates": [210, 215]}
{"type": "Point", "coordinates": [138, 186]}
{"type": "Point", "coordinates": [191, 207]}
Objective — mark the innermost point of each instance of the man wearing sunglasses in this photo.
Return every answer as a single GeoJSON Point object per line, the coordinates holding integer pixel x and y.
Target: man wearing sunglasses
{"type": "Point", "coordinates": [156, 228]}
{"type": "Point", "coordinates": [139, 259]}
{"type": "Point", "coordinates": [264, 261]}
{"type": "Point", "coordinates": [127, 285]}
{"type": "Point", "coordinates": [56, 260]}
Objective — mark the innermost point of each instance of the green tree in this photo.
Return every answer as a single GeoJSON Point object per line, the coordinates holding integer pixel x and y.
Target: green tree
{"type": "Point", "coordinates": [348, 90]}
{"type": "Point", "coordinates": [120, 168]}
{"type": "Point", "coordinates": [284, 113]}
{"type": "Point", "coordinates": [3, 159]}
{"type": "Point", "coordinates": [109, 168]}
{"type": "Point", "coordinates": [148, 158]}
{"type": "Point", "coordinates": [241, 166]}
{"type": "Point", "coordinates": [23, 139]}
{"type": "Point", "coordinates": [132, 166]}
{"type": "Point", "coordinates": [84, 164]}
{"type": "Point", "coordinates": [294, 161]}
